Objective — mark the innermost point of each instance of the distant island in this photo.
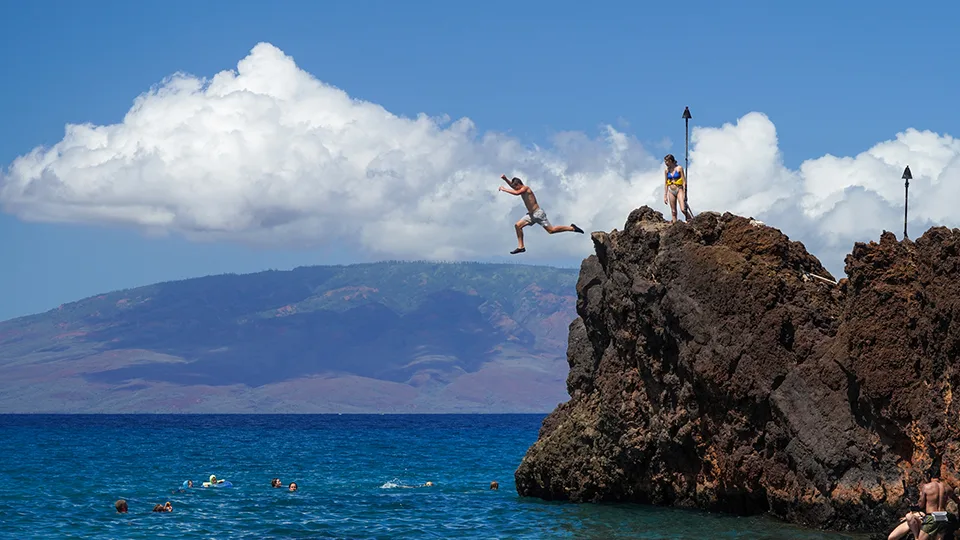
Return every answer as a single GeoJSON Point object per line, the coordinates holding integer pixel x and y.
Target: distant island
{"type": "Point", "coordinates": [390, 337]}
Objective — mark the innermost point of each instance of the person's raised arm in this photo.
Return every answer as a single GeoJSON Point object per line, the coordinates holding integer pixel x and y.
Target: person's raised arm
{"type": "Point", "coordinates": [508, 190]}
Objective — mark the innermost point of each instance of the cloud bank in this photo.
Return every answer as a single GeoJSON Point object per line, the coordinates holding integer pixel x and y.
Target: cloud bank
{"type": "Point", "coordinates": [269, 154]}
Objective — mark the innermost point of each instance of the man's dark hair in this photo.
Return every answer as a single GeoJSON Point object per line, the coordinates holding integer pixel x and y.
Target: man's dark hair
{"type": "Point", "coordinates": [516, 180]}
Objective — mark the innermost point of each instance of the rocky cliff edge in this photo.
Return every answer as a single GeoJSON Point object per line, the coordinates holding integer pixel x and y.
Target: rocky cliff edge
{"type": "Point", "coordinates": [716, 364]}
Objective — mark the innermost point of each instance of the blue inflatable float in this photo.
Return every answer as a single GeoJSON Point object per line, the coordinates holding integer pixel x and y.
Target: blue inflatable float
{"type": "Point", "coordinates": [217, 483]}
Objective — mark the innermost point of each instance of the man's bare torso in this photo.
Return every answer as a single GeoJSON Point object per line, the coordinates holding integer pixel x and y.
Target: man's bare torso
{"type": "Point", "coordinates": [530, 200]}
{"type": "Point", "coordinates": [935, 495]}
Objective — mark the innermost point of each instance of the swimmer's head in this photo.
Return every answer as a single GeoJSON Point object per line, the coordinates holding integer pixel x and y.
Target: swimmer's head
{"type": "Point", "coordinates": [276, 483]}
{"type": "Point", "coordinates": [293, 486]}
{"type": "Point", "coordinates": [189, 483]}
{"type": "Point", "coordinates": [213, 478]}
{"type": "Point", "coordinates": [121, 506]}
{"type": "Point", "coordinates": [670, 160]}
{"type": "Point", "coordinates": [167, 507]}
{"type": "Point", "coordinates": [494, 485]}
{"type": "Point", "coordinates": [428, 484]}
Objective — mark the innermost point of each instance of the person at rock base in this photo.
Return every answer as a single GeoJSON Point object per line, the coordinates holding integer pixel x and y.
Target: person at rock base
{"type": "Point", "coordinates": [907, 521]}
{"type": "Point", "coordinates": [535, 214]}
{"type": "Point", "coordinates": [675, 188]}
{"type": "Point", "coordinates": [936, 522]}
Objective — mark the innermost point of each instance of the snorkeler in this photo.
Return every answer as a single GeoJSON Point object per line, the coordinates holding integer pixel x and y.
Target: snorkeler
{"type": "Point", "coordinates": [535, 214]}
{"type": "Point", "coordinates": [675, 188]}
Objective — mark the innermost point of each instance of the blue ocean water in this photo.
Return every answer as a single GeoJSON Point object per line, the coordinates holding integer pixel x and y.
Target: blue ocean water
{"type": "Point", "coordinates": [61, 474]}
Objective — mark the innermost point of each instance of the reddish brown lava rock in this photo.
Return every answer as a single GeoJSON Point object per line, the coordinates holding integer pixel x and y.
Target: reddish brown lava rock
{"type": "Point", "coordinates": [709, 369]}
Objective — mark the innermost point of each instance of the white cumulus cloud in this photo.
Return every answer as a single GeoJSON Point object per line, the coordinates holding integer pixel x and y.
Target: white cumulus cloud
{"type": "Point", "coordinates": [267, 153]}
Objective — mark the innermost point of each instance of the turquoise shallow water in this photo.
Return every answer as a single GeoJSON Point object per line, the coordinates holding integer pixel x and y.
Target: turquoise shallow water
{"type": "Point", "coordinates": [60, 476]}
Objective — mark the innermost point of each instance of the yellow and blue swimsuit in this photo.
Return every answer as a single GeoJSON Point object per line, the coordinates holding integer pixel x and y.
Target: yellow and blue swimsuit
{"type": "Point", "coordinates": [674, 179]}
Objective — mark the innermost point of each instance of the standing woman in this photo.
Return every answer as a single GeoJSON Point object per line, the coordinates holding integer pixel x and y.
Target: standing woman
{"type": "Point", "coordinates": [674, 188]}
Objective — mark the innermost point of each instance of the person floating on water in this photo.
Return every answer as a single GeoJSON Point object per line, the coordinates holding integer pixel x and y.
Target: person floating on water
{"type": "Point", "coordinates": [535, 214]}
{"type": "Point", "coordinates": [675, 188]}
{"type": "Point", "coordinates": [213, 481]}
{"type": "Point", "coordinates": [163, 507]}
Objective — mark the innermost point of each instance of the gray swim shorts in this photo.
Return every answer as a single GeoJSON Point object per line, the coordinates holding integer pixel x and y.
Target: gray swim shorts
{"type": "Point", "coordinates": [537, 217]}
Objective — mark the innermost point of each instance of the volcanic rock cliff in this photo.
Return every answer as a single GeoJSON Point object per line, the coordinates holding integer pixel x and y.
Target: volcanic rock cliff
{"type": "Point", "coordinates": [711, 367]}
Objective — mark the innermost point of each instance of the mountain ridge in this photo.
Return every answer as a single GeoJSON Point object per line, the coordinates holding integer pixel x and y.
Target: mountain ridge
{"type": "Point", "coordinates": [402, 333]}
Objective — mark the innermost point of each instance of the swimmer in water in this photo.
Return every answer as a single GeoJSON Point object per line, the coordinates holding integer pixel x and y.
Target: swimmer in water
{"type": "Point", "coordinates": [167, 507]}
{"type": "Point", "coordinates": [293, 486]}
{"type": "Point", "coordinates": [213, 481]}
{"type": "Point", "coordinates": [495, 485]}
{"type": "Point", "coordinates": [276, 483]}
{"type": "Point", "coordinates": [675, 187]}
{"type": "Point", "coordinates": [535, 214]}
{"type": "Point", "coordinates": [121, 506]}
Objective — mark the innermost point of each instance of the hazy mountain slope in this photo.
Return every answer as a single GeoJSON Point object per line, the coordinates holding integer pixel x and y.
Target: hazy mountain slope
{"type": "Point", "coordinates": [391, 336]}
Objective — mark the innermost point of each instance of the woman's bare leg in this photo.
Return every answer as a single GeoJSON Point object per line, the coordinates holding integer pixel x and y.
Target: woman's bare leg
{"type": "Point", "coordinates": [672, 197]}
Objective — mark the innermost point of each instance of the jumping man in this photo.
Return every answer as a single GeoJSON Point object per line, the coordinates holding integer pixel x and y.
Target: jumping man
{"type": "Point", "coordinates": [534, 213]}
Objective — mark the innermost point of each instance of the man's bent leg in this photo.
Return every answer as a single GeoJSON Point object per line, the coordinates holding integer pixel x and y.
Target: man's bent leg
{"type": "Point", "coordinates": [519, 228]}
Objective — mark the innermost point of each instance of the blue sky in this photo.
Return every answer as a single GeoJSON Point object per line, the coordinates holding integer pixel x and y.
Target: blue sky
{"type": "Point", "coordinates": [835, 78]}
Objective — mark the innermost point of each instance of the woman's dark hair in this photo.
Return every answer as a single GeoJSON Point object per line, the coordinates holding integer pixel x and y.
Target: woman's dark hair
{"type": "Point", "coordinates": [669, 157]}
